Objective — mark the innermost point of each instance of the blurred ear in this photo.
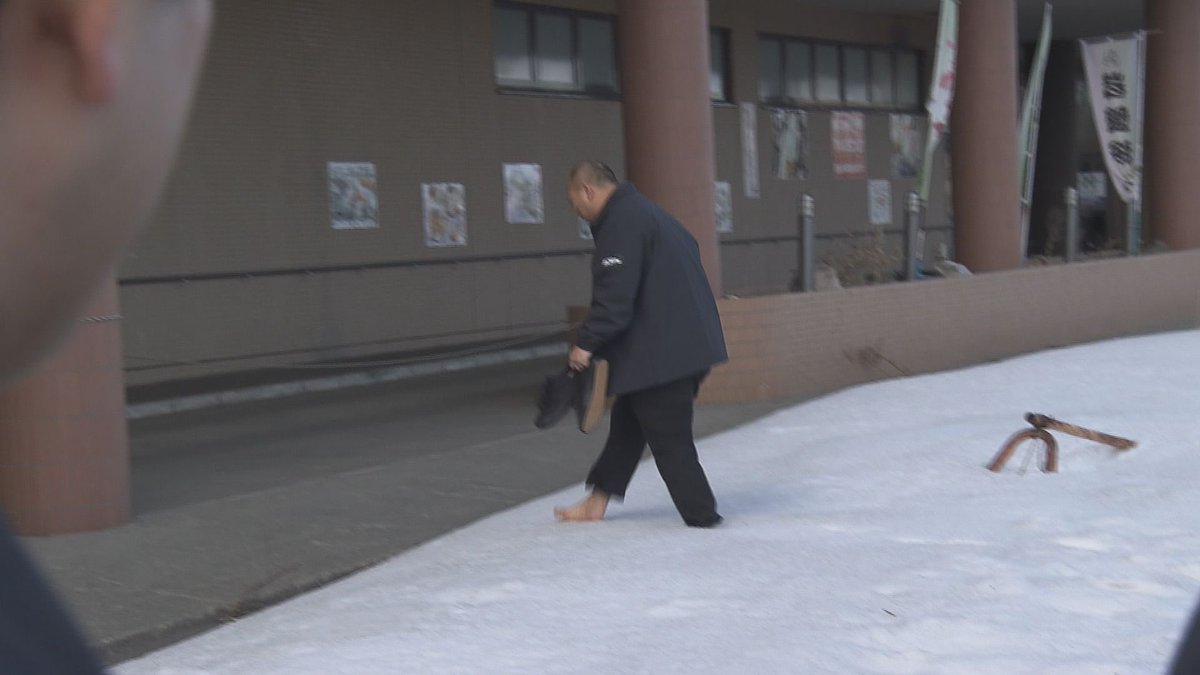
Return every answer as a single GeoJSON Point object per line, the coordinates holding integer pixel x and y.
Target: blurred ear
{"type": "Point", "coordinates": [85, 28]}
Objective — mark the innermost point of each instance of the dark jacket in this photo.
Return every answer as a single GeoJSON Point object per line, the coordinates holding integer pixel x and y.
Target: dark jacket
{"type": "Point", "coordinates": [652, 315]}
{"type": "Point", "coordinates": [37, 634]}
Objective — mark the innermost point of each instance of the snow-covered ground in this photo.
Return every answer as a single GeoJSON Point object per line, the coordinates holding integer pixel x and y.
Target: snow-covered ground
{"type": "Point", "coordinates": [863, 534]}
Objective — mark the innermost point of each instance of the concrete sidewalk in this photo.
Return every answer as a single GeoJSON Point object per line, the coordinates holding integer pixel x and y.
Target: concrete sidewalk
{"type": "Point", "coordinates": [238, 507]}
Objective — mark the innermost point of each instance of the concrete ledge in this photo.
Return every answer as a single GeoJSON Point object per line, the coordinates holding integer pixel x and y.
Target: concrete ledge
{"type": "Point", "coordinates": [808, 344]}
{"type": "Point", "coordinates": [341, 381]}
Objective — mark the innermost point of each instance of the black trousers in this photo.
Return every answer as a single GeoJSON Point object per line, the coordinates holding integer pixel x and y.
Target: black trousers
{"type": "Point", "coordinates": [1187, 651]}
{"type": "Point", "coordinates": [660, 416]}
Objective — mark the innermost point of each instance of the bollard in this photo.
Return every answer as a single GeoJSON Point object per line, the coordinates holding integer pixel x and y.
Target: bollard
{"type": "Point", "coordinates": [912, 236]}
{"type": "Point", "coordinates": [1072, 244]}
{"type": "Point", "coordinates": [805, 277]}
{"type": "Point", "coordinates": [807, 237]}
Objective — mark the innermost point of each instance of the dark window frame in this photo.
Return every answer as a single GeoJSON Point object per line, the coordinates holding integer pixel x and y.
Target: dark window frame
{"type": "Point", "coordinates": [580, 89]}
{"type": "Point", "coordinates": [919, 71]}
{"type": "Point", "coordinates": [726, 66]}
{"type": "Point", "coordinates": [814, 102]}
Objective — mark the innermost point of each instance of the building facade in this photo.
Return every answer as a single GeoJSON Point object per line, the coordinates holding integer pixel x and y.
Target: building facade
{"type": "Point", "coordinates": [361, 178]}
{"type": "Point", "coordinates": [244, 266]}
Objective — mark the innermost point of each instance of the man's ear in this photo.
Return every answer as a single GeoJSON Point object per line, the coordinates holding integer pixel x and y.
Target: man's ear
{"type": "Point", "coordinates": [86, 29]}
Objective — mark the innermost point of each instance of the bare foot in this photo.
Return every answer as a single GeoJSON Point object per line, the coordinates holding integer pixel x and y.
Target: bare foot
{"type": "Point", "coordinates": [591, 509]}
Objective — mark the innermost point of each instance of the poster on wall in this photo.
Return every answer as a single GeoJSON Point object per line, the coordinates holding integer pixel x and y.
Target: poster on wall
{"type": "Point", "coordinates": [724, 206]}
{"type": "Point", "coordinates": [749, 119]}
{"type": "Point", "coordinates": [879, 195]}
{"type": "Point", "coordinates": [791, 143]}
{"type": "Point", "coordinates": [445, 206]}
{"type": "Point", "coordinates": [353, 197]}
{"type": "Point", "coordinates": [849, 144]}
{"type": "Point", "coordinates": [523, 194]}
{"type": "Point", "coordinates": [585, 229]}
{"type": "Point", "coordinates": [906, 146]}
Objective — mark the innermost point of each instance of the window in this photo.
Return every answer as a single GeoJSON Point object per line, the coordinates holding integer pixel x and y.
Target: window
{"type": "Point", "coordinates": [854, 75]}
{"type": "Point", "coordinates": [770, 65]}
{"type": "Point", "coordinates": [554, 63]}
{"type": "Point", "coordinates": [798, 65]}
{"type": "Point", "coordinates": [908, 78]}
{"type": "Point", "coordinates": [882, 79]}
{"type": "Point", "coordinates": [596, 54]}
{"type": "Point", "coordinates": [514, 62]}
{"type": "Point", "coordinates": [829, 86]}
{"type": "Point", "coordinates": [718, 64]}
{"type": "Point", "coordinates": [805, 72]}
{"type": "Point", "coordinates": [546, 49]}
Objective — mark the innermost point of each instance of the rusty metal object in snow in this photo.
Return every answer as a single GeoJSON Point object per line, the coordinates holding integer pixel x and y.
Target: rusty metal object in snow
{"type": "Point", "coordinates": [1042, 424]}
{"type": "Point", "coordinates": [1010, 446]}
{"type": "Point", "coordinates": [1047, 422]}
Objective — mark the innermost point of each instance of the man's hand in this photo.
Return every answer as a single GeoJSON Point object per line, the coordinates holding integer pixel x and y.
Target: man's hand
{"type": "Point", "coordinates": [579, 358]}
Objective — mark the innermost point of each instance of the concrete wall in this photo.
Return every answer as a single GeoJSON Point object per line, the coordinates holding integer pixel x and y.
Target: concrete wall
{"type": "Point", "coordinates": [408, 86]}
{"type": "Point", "coordinates": [798, 345]}
{"type": "Point", "coordinates": [760, 255]}
{"type": "Point", "coordinates": [241, 268]}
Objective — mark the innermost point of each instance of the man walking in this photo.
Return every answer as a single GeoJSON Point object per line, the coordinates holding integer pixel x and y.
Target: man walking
{"type": "Point", "coordinates": [654, 319]}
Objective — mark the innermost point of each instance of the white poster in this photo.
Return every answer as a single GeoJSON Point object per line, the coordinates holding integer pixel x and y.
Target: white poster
{"type": "Point", "coordinates": [353, 196]}
{"type": "Point", "coordinates": [523, 194]}
{"type": "Point", "coordinates": [749, 118]}
{"type": "Point", "coordinates": [1113, 75]}
{"type": "Point", "coordinates": [791, 143]}
{"type": "Point", "coordinates": [724, 206]}
{"type": "Point", "coordinates": [848, 130]}
{"type": "Point", "coordinates": [879, 194]}
{"type": "Point", "coordinates": [445, 206]}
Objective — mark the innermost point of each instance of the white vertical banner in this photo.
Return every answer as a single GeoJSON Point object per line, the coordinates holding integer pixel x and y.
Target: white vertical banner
{"type": "Point", "coordinates": [941, 90]}
{"type": "Point", "coordinates": [1031, 113]}
{"type": "Point", "coordinates": [749, 119]}
{"type": "Point", "coordinates": [1113, 74]}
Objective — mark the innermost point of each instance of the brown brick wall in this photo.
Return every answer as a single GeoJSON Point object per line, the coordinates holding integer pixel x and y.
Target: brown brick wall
{"type": "Point", "coordinates": [799, 345]}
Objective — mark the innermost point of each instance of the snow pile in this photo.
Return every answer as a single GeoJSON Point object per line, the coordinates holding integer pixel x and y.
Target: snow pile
{"type": "Point", "coordinates": [863, 534]}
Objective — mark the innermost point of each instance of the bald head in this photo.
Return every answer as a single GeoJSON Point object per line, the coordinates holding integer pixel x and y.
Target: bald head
{"type": "Point", "coordinates": [593, 172]}
{"type": "Point", "coordinates": [590, 183]}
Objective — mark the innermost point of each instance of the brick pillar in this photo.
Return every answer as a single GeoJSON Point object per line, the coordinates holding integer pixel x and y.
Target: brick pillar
{"type": "Point", "coordinates": [669, 146]}
{"type": "Point", "coordinates": [983, 127]}
{"type": "Point", "coordinates": [64, 451]}
{"type": "Point", "coordinates": [1172, 127]}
